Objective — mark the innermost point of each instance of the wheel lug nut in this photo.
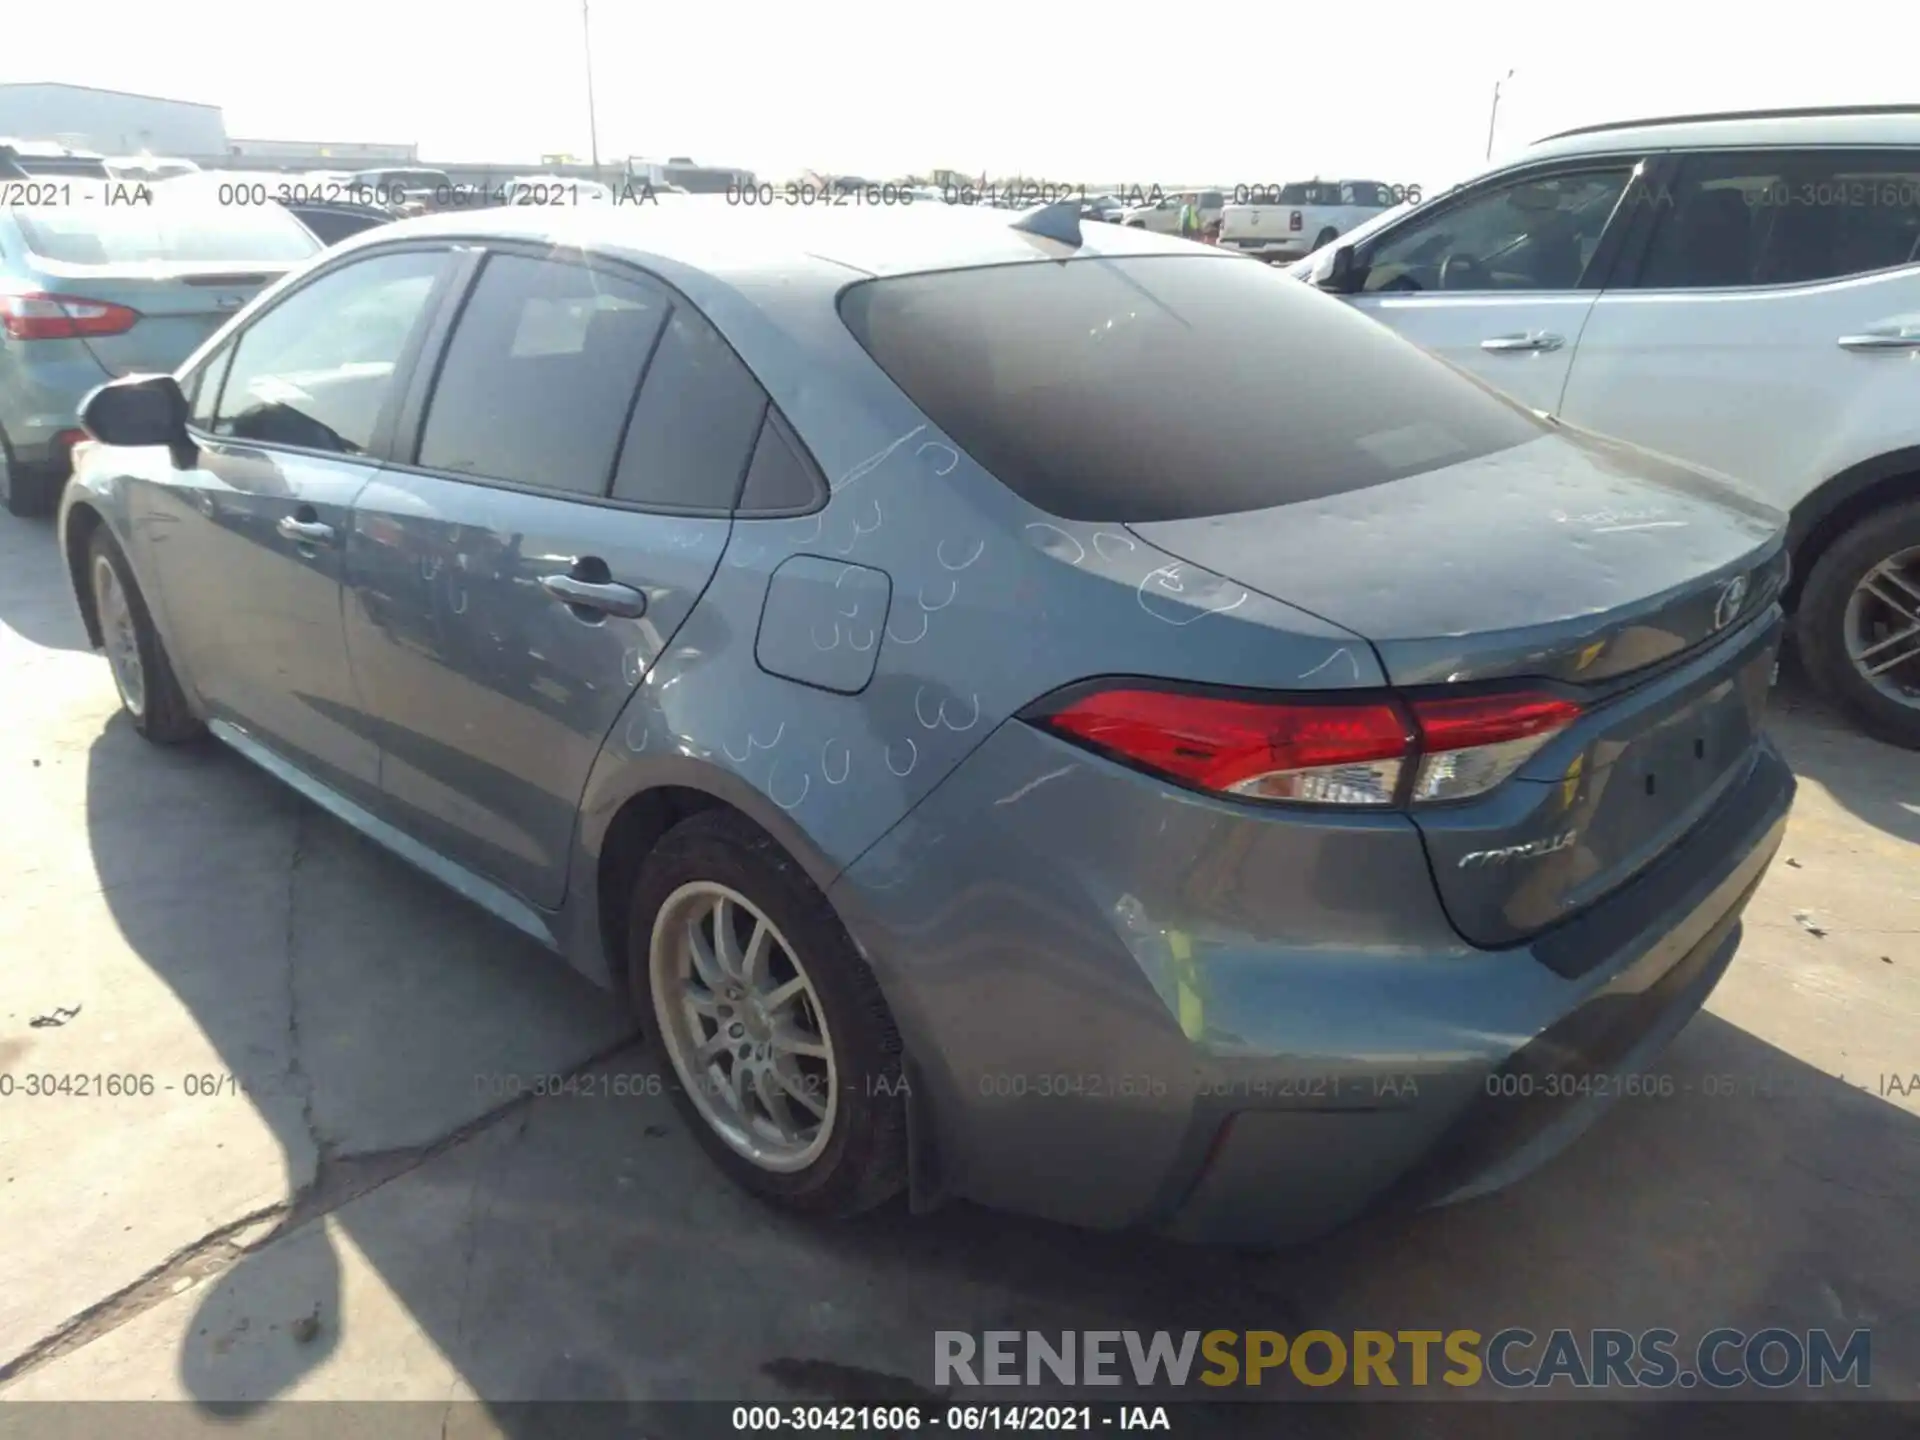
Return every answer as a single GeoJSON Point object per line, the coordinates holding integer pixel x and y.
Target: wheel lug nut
{"type": "Point", "coordinates": [736, 1030]}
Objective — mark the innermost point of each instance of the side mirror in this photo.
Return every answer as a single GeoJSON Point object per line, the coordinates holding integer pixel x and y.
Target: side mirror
{"type": "Point", "coordinates": [140, 410]}
{"type": "Point", "coordinates": [1334, 272]}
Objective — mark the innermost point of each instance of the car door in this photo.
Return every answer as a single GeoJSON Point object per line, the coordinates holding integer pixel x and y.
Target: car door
{"type": "Point", "coordinates": [290, 418]}
{"type": "Point", "coordinates": [1770, 323]}
{"type": "Point", "coordinates": [553, 521]}
{"type": "Point", "coordinates": [1499, 279]}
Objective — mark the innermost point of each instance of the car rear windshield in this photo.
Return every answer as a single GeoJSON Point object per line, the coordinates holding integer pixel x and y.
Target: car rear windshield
{"type": "Point", "coordinates": [1164, 387]}
{"type": "Point", "coordinates": [169, 231]}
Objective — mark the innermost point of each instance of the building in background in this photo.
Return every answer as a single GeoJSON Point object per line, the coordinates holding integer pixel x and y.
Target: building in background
{"type": "Point", "coordinates": [112, 122]}
{"type": "Point", "coordinates": [336, 154]}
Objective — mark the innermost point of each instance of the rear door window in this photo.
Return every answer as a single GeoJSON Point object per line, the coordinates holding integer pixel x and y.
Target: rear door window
{"type": "Point", "coordinates": [1143, 388]}
{"type": "Point", "coordinates": [694, 424]}
{"type": "Point", "coordinates": [1784, 217]}
{"type": "Point", "coordinates": [540, 374]}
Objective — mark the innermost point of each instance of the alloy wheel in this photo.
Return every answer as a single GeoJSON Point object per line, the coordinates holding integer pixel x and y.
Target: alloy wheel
{"type": "Point", "coordinates": [122, 639]}
{"type": "Point", "coordinates": [743, 1026]}
{"type": "Point", "coordinates": [1882, 627]}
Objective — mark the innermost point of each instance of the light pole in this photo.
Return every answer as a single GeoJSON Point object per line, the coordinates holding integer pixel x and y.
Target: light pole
{"type": "Point", "coordinates": [1491, 118]}
{"type": "Point", "coordinates": [593, 121]}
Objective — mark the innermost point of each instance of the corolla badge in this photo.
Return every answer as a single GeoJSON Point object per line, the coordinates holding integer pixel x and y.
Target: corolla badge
{"type": "Point", "coordinates": [1727, 609]}
{"type": "Point", "coordinates": [1532, 850]}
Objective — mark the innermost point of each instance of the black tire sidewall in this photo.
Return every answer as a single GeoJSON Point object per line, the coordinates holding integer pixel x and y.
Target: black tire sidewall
{"type": "Point", "coordinates": [1819, 623]}
{"type": "Point", "coordinates": [864, 1161]}
{"type": "Point", "coordinates": [166, 717]}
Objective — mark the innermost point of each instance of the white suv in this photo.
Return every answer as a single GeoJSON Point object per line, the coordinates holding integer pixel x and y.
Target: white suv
{"type": "Point", "coordinates": [1742, 291]}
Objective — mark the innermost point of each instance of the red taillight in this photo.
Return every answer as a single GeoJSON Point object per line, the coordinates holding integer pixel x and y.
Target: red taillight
{"type": "Point", "coordinates": [1293, 223]}
{"type": "Point", "coordinates": [1468, 745]}
{"type": "Point", "coordinates": [38, 316]}
{"type": "Point", "coordinates": [1344, 750]}
{"type": "Point", "coordinates": [1331, 752]}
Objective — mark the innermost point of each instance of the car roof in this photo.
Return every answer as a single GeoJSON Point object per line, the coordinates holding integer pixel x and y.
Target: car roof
{"type": "Point", "coordinates": [740, 243]}
{"type": "Point", "coordinates": [1857, 125]}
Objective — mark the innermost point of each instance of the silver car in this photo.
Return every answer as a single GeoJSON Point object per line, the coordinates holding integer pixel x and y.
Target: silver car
{"type": "Point", "coordinates": [105, 280]}
{"type": "Point", "coordinates": [999, 741]}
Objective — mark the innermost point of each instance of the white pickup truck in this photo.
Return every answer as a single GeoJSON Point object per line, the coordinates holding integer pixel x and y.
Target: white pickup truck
{"type": "Point", "coordinates": [1285, 222]}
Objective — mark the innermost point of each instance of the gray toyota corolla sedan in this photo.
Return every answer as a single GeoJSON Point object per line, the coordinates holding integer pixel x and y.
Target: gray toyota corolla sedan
{"type": "Point", "coordinates": [1009, 729]}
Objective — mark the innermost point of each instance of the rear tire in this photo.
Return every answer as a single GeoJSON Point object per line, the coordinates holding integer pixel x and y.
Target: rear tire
{"type": "Point", "coordinates": [1829, 614]}
{"type": "Point", "coordinates": [1326, 237]}
{"type": "Point", "coordinates": [26, 491]}
{"type": "Point", "coordinates": [142, 673]}
{"type": "Point", "coordinates": [842, 1163]}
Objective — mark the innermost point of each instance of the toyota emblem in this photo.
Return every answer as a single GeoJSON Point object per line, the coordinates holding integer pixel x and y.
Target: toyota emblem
{"type": "Point", "coordinates": [1731, 599]}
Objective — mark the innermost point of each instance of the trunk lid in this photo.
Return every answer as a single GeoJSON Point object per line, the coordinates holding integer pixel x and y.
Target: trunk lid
{"type": "Point", "coordinates": [1642, 588]}
{"type": "Point", "coordinates": [179, 307]}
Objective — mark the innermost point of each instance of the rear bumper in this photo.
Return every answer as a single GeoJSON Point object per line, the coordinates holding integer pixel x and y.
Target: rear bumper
{"type": "Point", "coordinates": [1267, 249]}
{"type": "Point", "coordinates": [1125, 1005]}
{"type": "Point", "coordinates": [40, 397]}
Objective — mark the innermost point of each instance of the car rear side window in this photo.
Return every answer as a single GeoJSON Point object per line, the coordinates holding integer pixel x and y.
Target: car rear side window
{"type": "Point", "coordinates": [540, 374]}
{"type": "Point", "coordinates": [1165, 387]}
{"type": "Point", "coordinates": [780, 481]}
{"type": "Point", "coordinates": [1784, 217]}
{"type": "Point", "coordinates": [694, 425]}
{"type": "Point", "coordinates": [318, 369]}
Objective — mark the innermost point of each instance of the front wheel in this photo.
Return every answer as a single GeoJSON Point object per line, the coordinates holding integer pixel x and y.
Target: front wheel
{"type": "Point", "coordinates": [142, 673]}
{"type": "Point", "coordinates": [785, 1059]}
{"type": "Point", "coordinates": [1858, 624]}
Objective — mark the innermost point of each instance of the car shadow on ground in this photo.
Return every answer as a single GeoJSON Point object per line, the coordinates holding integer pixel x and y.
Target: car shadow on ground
{"type": "Point", "coordinates": [579, 1247]}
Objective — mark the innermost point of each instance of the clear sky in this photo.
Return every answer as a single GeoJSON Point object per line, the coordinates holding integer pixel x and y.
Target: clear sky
{"type": "Point", "coordinates": [1133, 91]}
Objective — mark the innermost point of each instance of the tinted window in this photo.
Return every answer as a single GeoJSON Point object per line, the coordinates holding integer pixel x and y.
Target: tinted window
{"type": "Point", "coordinates": [695, 422]}
{"type": "Point", "coordinates": [1784, 217]}
{"type": "Point", "coordinates": [779, 481]}
{"type": "Point", "coordinates": [318, 369]}
{"type": "Point", "coordinates": [1142, 389]}
{"type": "Point", "coordinates": [173, 227]}
{"type": "Point", "coordinates": [540, 374]}
{"type": "Point", "coordinates": [1295, 194]}
{"type": "Point", "coordinates": [1530, 234]}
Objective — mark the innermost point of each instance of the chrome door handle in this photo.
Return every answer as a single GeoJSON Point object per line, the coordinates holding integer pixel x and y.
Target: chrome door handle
{"type": "Point", "coordinates": [622, 600]}
{"type": "Point", "coordinates": [1908, 339]}
{"type": "Point", "coordinates": [307, 532]}
{"type": "Point", "coordinates": [1538, 340]}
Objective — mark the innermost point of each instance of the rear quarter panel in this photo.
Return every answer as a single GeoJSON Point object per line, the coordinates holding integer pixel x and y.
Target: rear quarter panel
{"type": "Point", "coordinates": [961, 603]}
